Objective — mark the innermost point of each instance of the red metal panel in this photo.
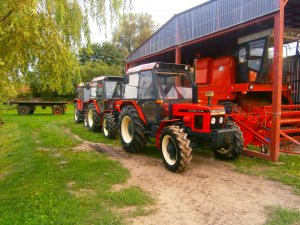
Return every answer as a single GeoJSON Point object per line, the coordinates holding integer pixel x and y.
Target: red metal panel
{"type": "Point", "coordinates": [277, 81]}
{"type": "Point", "coordinates": [178, 55]}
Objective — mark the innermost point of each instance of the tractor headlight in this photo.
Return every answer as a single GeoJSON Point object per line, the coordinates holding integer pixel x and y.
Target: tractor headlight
{"type": "Point", "coordinates": [251, 86]}
{"type": "Point", "coordinates": [213, 120]}
{"type": "Point", "coordinates": [221, 120]}
{"type": "Point", "coordinates": [289, 87]}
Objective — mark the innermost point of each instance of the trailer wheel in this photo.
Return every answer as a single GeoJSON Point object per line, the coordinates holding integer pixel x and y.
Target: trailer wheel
{"type": "Point", "coordinates": [78, 115]}
{"type": "Point", "coordinates": [32, 109]}
{"type": "Point", "coordinates": [175, 149]}
{"type": "Point", "coordinates": [93, 119]}
{"type": "Point", "coordinates": [132, 130]}
{"type": "Point", "coordinates": [57, 110]}
{"type": "Point", "coordinates": [236, 147]}
{"type": "Point", "coordinates": [109, 126]}
{"type": "Point", "coordinates": [23, 110]}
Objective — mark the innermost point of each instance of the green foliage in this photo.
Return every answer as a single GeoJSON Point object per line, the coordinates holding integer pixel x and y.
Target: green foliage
{"type": "Point", "coordinates": [43, 36]}
{"type": "Point", "coordinates": [101, 59]}
{"type": "Point", "coordinates": [133, 30]}
{"type": "Point", "coordinates": [44, 180]}
{"type": "Point", "coordinates": [281, 216]}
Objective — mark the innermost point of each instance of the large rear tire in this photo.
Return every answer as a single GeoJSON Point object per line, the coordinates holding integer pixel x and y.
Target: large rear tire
{"type": "Point", "coordinates": [93, 119]}
{"type": "Point", "coordinates": [235, 148]}
{"type": "Point", "coordinates": [176, 152]}
{"type": "Point", "coordinates": [78, 115]}
{"type": "Point", "coordinates": [109, 126]}
{"type": "Point", "coordinates": [132, 130]}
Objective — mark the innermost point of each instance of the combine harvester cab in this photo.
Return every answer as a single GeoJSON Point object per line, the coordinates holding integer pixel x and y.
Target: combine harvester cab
{"type": "Point", "coordinates": [243, 84]}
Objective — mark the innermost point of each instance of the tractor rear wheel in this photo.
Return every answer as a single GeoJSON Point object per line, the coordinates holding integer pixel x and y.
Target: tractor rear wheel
{"type": "Point", "coordinates": [93, 119]}
{"type": "Point", "coordinates": [23, 110]}
{"type": "Point", "coordinates": [109, 126]}
{"type": "Point", "coordinates": [175, 148]}
{"type": "Point", "coordinates": [57, 110]}
{"type": "Point", "coordinates": [132, 130]}
{"type": "Point", "coordinates": [236, 147]}
{"type": "Point", "coordinates": [78, 115]}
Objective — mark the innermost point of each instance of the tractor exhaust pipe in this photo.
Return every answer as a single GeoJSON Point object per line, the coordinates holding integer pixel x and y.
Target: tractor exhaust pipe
{"type": "Point", "coordinates": [209, 95]}
{"type": "Point", "coordinates": [195, 94]}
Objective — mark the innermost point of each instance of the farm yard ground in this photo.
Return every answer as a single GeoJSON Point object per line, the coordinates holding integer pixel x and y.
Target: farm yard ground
{"type": "Point", "coordinates": [53, 171]}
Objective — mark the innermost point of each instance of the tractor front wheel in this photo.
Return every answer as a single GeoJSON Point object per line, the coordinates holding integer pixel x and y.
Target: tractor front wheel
{"type": "Point", "coordinates": [93, 119]}
{"type": "Point", "coordinates": [86, 124]}
{"type": "Point", "coordinates": [132, 130]}
{"type": "Point", "coordinates": [176, 152]}
{"type": "Point", "coordinates": [109, 126]}
{"type": "Point", "coordinates": [78, 115]}
{"type": "Point", "coordinates": [235, 149]}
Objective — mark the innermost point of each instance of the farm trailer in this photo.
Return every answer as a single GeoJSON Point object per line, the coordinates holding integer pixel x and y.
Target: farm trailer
{"type": "Point", "coordinates": [27, 107]}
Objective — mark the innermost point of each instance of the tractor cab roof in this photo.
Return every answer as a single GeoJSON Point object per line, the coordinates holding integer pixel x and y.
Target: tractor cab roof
{"type": "Point", "coordinates": [158, 66]}
{"type": "Point", "coordinates": [110, 78]}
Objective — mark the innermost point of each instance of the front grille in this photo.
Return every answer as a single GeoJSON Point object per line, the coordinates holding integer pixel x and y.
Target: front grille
{"type": "Point", "coordinates": [217, 125]}
{"type": "Point", "coordinates": [199, 122]}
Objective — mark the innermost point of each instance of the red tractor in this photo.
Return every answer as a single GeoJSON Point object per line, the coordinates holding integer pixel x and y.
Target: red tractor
{"type": "Point", "coordinates": [81, 102]}
{"type": "Point", "coordinates": [243, 83]}
{"type": "Point", "coordinates": [157, 102]}
{"type": "Point", "coordinates": [105, 90]}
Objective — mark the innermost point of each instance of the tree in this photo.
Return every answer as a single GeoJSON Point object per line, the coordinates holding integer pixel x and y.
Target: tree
{"type": "Point", "coordinates": [106, 52]}
{"type": "Point", "coordinates": [101, 59]}
{"type": "Point", "coordinates": [133, 30]}
{"type": "Point", "coordinates": [43, 36]}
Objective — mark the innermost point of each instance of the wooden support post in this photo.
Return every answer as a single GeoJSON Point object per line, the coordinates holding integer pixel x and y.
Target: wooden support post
{"type": "Point", "coordinates": [277, 81]}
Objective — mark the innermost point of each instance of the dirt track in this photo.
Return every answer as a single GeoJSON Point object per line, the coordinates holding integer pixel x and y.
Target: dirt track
{"type": "Point", "coordinates": [209, 192]}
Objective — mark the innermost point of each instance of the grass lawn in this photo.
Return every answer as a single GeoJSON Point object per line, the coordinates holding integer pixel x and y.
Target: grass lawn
{"type": "Point", "coordinates": [44, 181]}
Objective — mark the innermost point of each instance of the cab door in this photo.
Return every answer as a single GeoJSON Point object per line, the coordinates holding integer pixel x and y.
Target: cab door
{"type": "Point", "coordinates": [146, 96]}
{"type": "Point", "coordinates": [100, 95]}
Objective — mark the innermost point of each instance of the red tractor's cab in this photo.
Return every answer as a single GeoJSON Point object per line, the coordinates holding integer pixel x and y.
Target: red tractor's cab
{"type": "Point", "coordinates": [104, 91]}
{"type": "Point", "coordinates": [81, 101]}
{"type": "Point", "coordinates": [157, 102]}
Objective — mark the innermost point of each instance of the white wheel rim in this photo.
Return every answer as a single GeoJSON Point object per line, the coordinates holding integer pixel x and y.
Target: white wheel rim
{"type": "Point", "coordinates": [127, 137]}
{"type": "Point", "coordinates": [75, 115]}
{"type": "Point", "coordinates": [164, 146]}
{"type": "Point", "coordinates": [90, 118]}
{"type": "Point", "coordinates": [85, 121]}
{"type": "Point", "coordinates": [223, 150]}
{"type": "Point", "coordinates": [105, 131]}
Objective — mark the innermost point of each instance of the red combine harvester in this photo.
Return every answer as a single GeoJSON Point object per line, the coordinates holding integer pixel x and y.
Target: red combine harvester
{"type": "Point", "coordinates": [243, 84]}
{"type": "Point", "coordinates": [157, 102]}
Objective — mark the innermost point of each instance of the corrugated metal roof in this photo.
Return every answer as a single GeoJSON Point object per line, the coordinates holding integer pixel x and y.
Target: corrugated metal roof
{"type": "Point", "coordinates": [202, 20]}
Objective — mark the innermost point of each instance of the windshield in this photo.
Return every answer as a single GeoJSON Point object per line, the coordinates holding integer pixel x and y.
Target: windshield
{"type": "Point", "coordinates": [174, 86]}
{"type": "Point", "coordinates": [113, 89]}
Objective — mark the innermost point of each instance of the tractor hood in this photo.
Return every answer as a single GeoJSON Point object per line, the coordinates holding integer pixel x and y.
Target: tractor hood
{"type": "Point", "coordinates": [180, 108]}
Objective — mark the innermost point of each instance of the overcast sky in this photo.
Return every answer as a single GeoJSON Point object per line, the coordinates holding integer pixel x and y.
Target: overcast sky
{"type": "Point", "coordinates": [161, 11]}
